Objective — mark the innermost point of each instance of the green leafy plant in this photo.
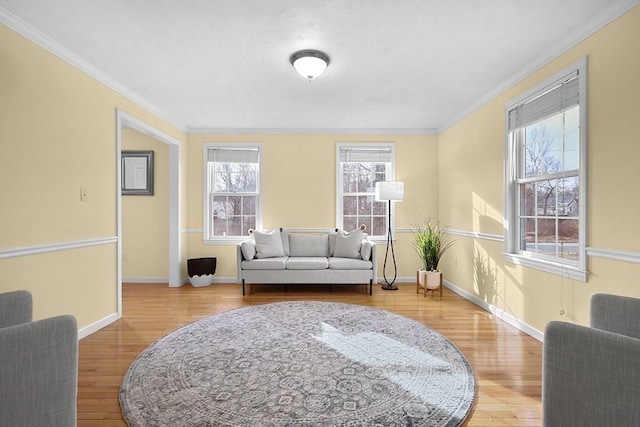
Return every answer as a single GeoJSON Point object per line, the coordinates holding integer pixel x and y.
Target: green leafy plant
{"type": "Point", "coordinates": [430, 243]}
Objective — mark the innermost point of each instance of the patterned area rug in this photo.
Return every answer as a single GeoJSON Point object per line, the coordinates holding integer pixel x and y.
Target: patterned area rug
{"type": "Point", "coordinates": [300, 364]}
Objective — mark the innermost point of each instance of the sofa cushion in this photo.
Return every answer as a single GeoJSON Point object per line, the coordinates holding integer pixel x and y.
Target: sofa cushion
{"type": "Point", "coordinates": [248, 248]}
{"type": "Point", "coordinates": [309, 245]}
{"type": "Point", "coordinates": [265, 264]}
{"type": "Point", "coordinates": [268, 245]}
{"type": "Point", "coordinates": [349, 264]}
{"type": "Point", "coordinates": [348, 244]}
{"type": "Point", "coordinates": [307, 263]}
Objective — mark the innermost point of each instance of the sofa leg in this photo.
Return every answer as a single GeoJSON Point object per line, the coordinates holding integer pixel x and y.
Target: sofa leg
{"type": "Point", "coordinates": [242, 287]}
{"type": "Point", "coordinates": [370, 286]}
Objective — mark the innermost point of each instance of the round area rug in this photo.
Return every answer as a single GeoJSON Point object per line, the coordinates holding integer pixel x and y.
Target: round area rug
{"type": "Point", "coordinates": [300, 364]}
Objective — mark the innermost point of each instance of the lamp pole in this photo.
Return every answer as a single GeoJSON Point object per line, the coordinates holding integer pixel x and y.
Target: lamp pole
{"type": "Point", "coordinates": [389, 285]}
{"type": "Point", "coordinates": [390, 191]}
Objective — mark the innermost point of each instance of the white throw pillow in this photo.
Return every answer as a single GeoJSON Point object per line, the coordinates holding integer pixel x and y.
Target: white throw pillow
{"type": "Point", "coordinates": [348, 244]}
{"type": "Point", "coordinates": [366, 250]}
{"type": "Point", "coordinates": [248, 248]}
{"type": "Point", "coordinates": [268, 245]}
{"type": "Point", "coordinates": [332, 241]}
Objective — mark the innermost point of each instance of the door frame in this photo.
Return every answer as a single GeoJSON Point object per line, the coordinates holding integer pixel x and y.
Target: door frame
{"type": "Point", "coordinates": [125, 120]}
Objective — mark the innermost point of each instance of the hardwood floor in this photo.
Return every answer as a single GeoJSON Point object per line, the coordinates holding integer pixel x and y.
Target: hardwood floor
{"type": "Point", "coordinates": [507, 363]}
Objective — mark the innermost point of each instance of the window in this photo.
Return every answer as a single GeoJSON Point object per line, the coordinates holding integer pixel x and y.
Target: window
{"type": "Point", "coordinates": [359, 168]}
{"type": "Point", "coordinates": [545, 175]}
{"type": "Point", "coordinates": [232, 190]}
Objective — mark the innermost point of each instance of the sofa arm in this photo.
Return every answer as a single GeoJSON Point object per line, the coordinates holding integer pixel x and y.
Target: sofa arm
{"type": "Point", "coordinates": [616, 313]}
{"type": "Point", "coordinates": [239, 258]}
{"type": "Point", "coordinates": [16, 307]}
{"type": "Point", "coordinates": [589, 377]}
{"type": "Point", "coordinates": [374, 261]}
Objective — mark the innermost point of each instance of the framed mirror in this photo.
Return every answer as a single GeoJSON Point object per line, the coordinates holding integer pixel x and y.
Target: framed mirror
{"type": "Point", "coordinates": [137, 173]}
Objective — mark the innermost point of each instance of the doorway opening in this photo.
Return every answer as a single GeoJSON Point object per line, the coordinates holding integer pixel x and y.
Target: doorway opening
{"type": "Point", "coordinates": [123, 121]}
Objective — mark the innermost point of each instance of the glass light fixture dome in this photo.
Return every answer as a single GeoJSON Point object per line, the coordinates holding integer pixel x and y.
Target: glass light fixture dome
{"type": "Point", "coordinates": [309, 63]}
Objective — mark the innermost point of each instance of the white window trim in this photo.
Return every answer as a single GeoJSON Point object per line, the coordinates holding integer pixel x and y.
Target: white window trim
{"type": "Point", "coordinates": [392, 177]}
{"type": "Point", "coordinates": [205, 193]}
{"type": "Point", "coordinates": [511, 253]}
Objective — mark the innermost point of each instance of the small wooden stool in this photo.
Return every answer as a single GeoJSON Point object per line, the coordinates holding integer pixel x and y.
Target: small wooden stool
{"type": "Point", "coordinates": [424, 287]}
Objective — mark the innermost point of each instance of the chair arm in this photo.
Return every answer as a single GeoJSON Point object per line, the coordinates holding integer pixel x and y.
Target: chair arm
{"type": "Point", "coordinates": [616, 313]}
{"type": "Point", "coordinates": [39, 372]}
{"type": "Point", "coordinates": [589, 377]}
{"type": "Point", "coordinates": [16, 307]}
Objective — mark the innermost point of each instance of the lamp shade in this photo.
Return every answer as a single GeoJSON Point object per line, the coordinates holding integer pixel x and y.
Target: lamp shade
{"type": "Point", "coordinates": [309, 63]}
{"type": "Point", "coordinates": [389, 190]}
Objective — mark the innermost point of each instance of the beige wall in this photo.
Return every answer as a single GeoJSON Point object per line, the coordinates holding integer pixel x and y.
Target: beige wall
{"type": "Point", "coordinates": [471, 187]}
{"type": "Point", "coordinates": [57, 134]}
{"type": "Point", "coordinates": [301, 193]}
{"type": "Point", "coordinates": [145, 219]}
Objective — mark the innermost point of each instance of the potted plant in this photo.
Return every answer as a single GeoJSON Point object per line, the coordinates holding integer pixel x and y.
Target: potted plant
{"type": "Point", "coordinates": [430, 243]}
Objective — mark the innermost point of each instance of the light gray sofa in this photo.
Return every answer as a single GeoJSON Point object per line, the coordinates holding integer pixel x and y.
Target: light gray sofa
{"type": "Point", "coordinates": [591, 375]}
{"type": "Point", "coordinates": [38, 366]}
{"type": "Point", "coordinates": [291, 257]}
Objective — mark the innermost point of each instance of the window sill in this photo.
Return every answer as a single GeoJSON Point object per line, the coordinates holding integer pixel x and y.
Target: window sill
{"type": "Point", "coordinates": [381, 240]}
{"type": "Point", "coordinates": [225, 240]}
{"type": "Point", "coordinates": [563, 270]}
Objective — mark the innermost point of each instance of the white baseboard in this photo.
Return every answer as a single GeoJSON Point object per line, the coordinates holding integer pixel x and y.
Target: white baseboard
{"type": "Point", "coordinates": [145, 280]}
{"type": "Point", "coordinates": [215, 280]}
{"type": "Point", "coordinates": [497, 312]}
{"type": "Point", "coordinates": [233, 279]}
{"type": "Point", "coordinates": [96, 326]}
{"type": "Point", "coordinates": [398, 279]}
{"type": "Point", "coordinates": [184, 281]}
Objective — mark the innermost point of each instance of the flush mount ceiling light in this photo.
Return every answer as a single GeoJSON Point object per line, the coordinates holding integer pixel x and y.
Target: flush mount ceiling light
{"type": "Point", "coordinates": [309, 63]}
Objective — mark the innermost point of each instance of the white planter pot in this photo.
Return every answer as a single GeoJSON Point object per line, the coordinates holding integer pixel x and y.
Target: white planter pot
{"type": "Point", "coordinates": [433, 279]}
{"type": "Point", "coordinates": [429, 281]}
{"type": "Point", "coordinates": [201, 281]}
{"type": "Point", "coordinates": [422, 277]}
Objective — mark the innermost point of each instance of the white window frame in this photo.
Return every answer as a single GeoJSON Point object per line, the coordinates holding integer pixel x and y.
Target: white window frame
{"type": "Point", "coordinates": [390, 176]}
{"type": "Point", "coordinates": [207, 238]}
{"type": "Point", "coordinates": [554, 265]}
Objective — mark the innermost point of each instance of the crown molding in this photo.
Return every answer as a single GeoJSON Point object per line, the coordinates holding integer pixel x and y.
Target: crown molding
{"type": "Point", "coordinates": [31, 33]}
{"type": "Point", "coordinates": [595, 23]}
{"type": "Point", "coordinates": [311, 131]}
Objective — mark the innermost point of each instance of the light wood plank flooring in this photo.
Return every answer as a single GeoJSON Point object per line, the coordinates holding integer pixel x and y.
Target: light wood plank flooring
{"type": "Point", "coordinates": [507, 363]}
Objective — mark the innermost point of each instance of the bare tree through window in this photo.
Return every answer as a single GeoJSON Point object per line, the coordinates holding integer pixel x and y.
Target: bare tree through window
{"type": "Point", "coordinates": [360, 167]}
{"type": "Point", "coordinates": [233, 193]}
{"type": "Point", "coordinates": [549, 193]}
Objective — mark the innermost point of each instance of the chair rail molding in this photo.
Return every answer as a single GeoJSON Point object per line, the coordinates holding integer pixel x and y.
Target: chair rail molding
{"type": "Point", "coordinates": [55, 247]}
{"type": "Point", "coordinates": [613, 254]}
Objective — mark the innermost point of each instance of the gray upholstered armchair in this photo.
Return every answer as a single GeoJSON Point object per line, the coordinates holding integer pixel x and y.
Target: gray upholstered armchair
{"type": "Point", "coordinates": [591, 375]}
{"type": "Point", "coordinates": [38, 365]}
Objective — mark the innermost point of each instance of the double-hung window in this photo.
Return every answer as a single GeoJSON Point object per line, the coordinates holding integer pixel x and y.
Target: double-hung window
{"type": "Point", "coordinates": [546, 175]}
{"type": "Point", "coordinates": [232, 190]}
{"type": "Point", "coordinates": [359, 167]}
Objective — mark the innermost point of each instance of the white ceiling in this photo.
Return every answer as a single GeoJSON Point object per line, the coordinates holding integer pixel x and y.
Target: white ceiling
{"type": "Point", "coordinates": [396, 65]}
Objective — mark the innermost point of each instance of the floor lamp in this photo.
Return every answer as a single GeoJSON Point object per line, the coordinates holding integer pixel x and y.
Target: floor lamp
{"type": "Point", "coordinates": [393, 191]}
